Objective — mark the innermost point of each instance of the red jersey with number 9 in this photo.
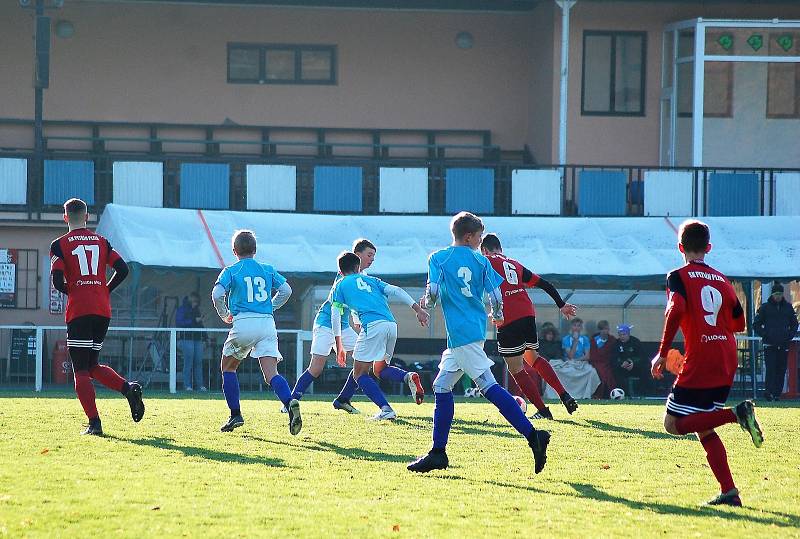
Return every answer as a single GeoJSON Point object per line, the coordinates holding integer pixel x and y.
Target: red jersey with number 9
{"type": "Point", "coordinates": [83, 256]}
{"type": "Point", "coordinates": [516, 279]}
{"type": "Point", "coordinates": [703, 302]}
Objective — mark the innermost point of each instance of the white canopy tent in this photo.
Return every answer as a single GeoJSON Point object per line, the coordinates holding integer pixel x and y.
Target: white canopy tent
{"type": "Point", "coordinates": [626, 252]}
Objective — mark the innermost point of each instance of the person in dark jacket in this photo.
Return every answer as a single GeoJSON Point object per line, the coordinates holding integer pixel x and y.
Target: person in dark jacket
{"type": "Point", "coordinates": [602, 349]}
{"type": "Point", "coordinates": [776, 324]}
{"type": "Point", "coordinates": [629, 361]}
{"type": "Point", "coordinates": [192, 343]}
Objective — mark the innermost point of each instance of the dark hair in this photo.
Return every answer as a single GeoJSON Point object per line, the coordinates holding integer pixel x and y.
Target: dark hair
{"type": "Point", "coordinates": [194, 295]}
{"type": "Point", "coordinates": [464, 223]}
{"type": "Point", "coordinates": [576, 320]}
{"type": "Point", "coordinates": [75, 208]}
{"type": "Point", "coordinates": [602, 324]}
{"type": "Point", "coordinates": [491, 243]}
{"type": "Point", "coordinates": [362, 244]}
{"type": "Point", "coordinates": [244, 242]}
{"type": "Point", "coordinates": [348, 263]}
{"type": "Point", "coordinates": [694, 236]}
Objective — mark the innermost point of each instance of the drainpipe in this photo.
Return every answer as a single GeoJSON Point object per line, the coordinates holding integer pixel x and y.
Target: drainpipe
{"type": "Point", "coordinates": [565, 6]}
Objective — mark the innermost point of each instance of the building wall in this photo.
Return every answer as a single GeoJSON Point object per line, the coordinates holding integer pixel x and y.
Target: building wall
{"type": "Point", "coordinates": [168, 63]}
{"type": "Point", "coordinates": [635, 140]}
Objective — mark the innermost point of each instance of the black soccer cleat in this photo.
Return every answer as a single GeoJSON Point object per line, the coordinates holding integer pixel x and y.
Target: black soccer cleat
{"type": "Point", "coordinates": [569, 403]}
{"type": "Point", "coordinates": [727, 498]}
{"type": "Point", "coordinates": [234, 422]}
{"type": "Point", "coordinates": [544, 413]}
{"type": "Point", "coordinates": [134, 396]}
{"type": "Point", "coordinates": [295, 421]}
{"type": "Point", "coordinates": [431, 461]}
{"type": "Point", "coordinates": [745, 413]}
{"type": "Point", "coordinates": [538, 442]}
{"type": "Point", "coordinates": [95, 428]}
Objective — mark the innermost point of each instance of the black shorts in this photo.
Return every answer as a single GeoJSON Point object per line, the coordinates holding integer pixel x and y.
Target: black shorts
{"type": "Point", "coordinates": [516, 337]}
{"type": "Point", "coordinates": [85, 336]}
{"type": "Point", "coordinates": [683, 401]}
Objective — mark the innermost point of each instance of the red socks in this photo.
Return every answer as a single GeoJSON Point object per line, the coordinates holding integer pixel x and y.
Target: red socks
{"type": "Point", "coordinates": [529, 388]}
{"type": "Point", "coordinates": [718, 460]}
{"type": "Point", "coordinates": [108, 377]}
{"type": "Point", "coordinates": [85, 392]}
{"type": "Point", "coordinates": [542, 366]}
{"type": "Point", "coordinates": [705, 421]}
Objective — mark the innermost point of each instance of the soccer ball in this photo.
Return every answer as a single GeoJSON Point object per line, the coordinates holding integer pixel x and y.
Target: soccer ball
{"type": "Point", "coordinates": [472, 392]}
{"type": "Point", "coordinates": [522, 404]}
{"type": "Point", "coordinates": [617, 394]}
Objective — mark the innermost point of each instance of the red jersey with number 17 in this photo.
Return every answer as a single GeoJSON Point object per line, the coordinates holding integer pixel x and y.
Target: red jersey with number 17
{"type": "Point", "coordinates": [83, 256]}
{"type": "Point", "coordinates": [704, 304]}
{"type": "Point", "coordinates": [516, 279]}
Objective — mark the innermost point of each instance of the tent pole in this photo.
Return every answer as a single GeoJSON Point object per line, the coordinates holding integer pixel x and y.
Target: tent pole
{"type": "Point", "coordinates": [135, 274]}
{"type": "Point", "coordinates": [750, 315]}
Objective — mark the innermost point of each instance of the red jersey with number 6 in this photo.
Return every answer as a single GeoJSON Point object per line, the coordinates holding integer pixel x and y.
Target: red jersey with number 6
{"type": "Point", "coordinates": [703, 303]}
{"type": "Point", "coordinates": [516, 279]}
{"type": "Point", "coordinates": [83, 256]}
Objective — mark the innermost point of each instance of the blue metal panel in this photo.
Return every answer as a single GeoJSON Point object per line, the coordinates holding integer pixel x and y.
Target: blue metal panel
{"type": "Point", "coordinates": [602, 192]}
{"type": "Point", "coordinates": [67, 179]}
{"type": "Point", "coordinates": [469, 189]}
{"type": "Point", "coordinates": [205, 186]}
{"type": "Point", "coordinates": [637, 192]}
{"type": "Point", "coordinates": [731, 194]}
{"type": "Point", "coordinates": [338, 189]}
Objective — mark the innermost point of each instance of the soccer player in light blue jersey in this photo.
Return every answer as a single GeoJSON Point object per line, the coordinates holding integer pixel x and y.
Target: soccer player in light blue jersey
{"type": "Point", "coordinates": [460, 276]}
{"type": "Point", "coordinates": [248, 287]}
{"type": "Point", "coordinates": [323, 343]}
{"type": "Point", "coordinates": [368, 296]}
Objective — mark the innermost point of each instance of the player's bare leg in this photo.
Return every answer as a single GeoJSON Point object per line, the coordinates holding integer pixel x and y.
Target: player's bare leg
{"type": "Point", "coordinates": [269, 368]}
{"type": "Point", "coordinates": [230, 387]}
{"type": "Point", "coordinates": [542, 366]}
{"type": "Point", "coordinates": [384, 371]}
{"type": "Point", "coordinates": [527, 385]}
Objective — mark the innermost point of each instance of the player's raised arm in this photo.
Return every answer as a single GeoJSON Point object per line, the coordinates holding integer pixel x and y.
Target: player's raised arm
{"type": "Point", "coordinates": [491, 283]}
{"type": "Point", "coordinates": [282, 291]}
{"type": "Point", "coordinates": [218, 294]}
{"type": "Point", "coordinates": [531, 280]}
{"type": "Point", "coordinates": [676, 307]}
{"type": "Point", "coordinates": [120, 268]}
{"type": "Point", "coordinates": [431, 295]}
{"type": "Point", "coordinates": [392, 291]}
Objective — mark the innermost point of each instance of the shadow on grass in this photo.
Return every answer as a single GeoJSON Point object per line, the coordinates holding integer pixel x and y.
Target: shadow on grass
{"type": "Point", "coordinates": [202, 452]}
{"type": "Point", "coordinates": [608, 427]}
{"type": "Point", "coordinates": [463, 426]}
{"type": "Point", "coordinates": [355, 453]}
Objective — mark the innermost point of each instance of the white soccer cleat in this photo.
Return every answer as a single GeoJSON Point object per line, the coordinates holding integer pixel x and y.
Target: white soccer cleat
{"type": "Point", "coordinates": [384, 415]}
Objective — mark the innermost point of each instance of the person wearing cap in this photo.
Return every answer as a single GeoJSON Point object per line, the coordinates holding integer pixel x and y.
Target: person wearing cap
{"type": "Point", "coordinates": [630, 361]}
{"type": "Point", "coordinates": [776, 324]}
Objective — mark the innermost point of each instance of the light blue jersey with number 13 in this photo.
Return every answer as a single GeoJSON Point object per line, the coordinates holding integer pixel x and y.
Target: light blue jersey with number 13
{"type": "Point", "coordinates": [248, 285]}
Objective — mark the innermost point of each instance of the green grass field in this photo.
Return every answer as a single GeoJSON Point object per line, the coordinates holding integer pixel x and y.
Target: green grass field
{"type": "Point", "coordinates": [611, 472]}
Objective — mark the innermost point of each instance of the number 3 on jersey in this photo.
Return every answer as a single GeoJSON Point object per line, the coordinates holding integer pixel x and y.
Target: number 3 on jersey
{"type": "Point", "coordinates": [711, 298]}
{"type": "Point", "coordinates": [261, 294]}
{"type": "Point", "coordinates": [465, 274]}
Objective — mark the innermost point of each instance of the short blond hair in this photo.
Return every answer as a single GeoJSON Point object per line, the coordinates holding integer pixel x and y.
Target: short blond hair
{"type": "Point", "coordinates": [464, 223]}
{"type": "Point", "coordinates": [75, 209]}
{"type": "Point", "coordinates": [244, 242]}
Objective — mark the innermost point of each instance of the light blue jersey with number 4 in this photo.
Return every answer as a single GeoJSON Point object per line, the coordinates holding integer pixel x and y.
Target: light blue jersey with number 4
{"type": "Point", "coordinates": [364, 295]}
{"type": "Point", "coordinates": [463, 276]}
{"type": "Point", "coordinates": [248, 285]}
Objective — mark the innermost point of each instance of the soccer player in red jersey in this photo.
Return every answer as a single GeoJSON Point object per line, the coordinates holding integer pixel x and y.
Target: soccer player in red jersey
{"type": "Point", "coordinates": [79, 259]}
{"type": "Point", "coordinates": [517, 333]}
{"type": "Point", "coordinates": [702, 302]}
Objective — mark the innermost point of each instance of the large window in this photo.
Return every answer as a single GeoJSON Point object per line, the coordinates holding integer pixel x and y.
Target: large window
{"type": "Point", "coordinates": [281, 64]}
{"type": "Point", "coordinates": [783, 79]}
{"type": "Point", "coordinates": [613, 73]}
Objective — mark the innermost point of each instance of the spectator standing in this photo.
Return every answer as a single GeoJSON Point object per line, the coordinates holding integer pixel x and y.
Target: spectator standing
{"type": "Point", "coordinates": [602, 349]}
{"type": "Point", "coordinates": [630, 361]}
{"type": "Point", "coordinates": [776, 324]}
{"type": "Point", "coordinates": [191, 343]}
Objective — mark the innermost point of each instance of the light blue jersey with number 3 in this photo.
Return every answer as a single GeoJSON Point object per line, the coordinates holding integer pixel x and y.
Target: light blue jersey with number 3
{"type": "Point", "coordinates": [463, 276]}
{"type": "Point", "coordinates": [248, 285]}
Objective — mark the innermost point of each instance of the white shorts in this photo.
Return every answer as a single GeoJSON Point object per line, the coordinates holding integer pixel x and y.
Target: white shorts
{"type": "Point", "coordinates": [252, 335]}
{"type": "Point", "coordinates": [469, 358]}
{"type": "Point", "coordinates": [323, 341]}
{"type": "Point", "coordinates": [376, 342]}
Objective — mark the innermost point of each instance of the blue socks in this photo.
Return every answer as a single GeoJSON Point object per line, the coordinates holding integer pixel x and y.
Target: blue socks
{"type": "Point", "coordinates": [371, 390]}
{"type": "Point", "coordinates": [509, 408]}
{"type": "Point", "coordinates": [393, 373]}
{"type": "Point", "coordinates": [443, 418]}
{"type": "Point", "coordinates": [305, 380]}
{"type": "Point", "coordinates": [230, 387]}
{"type": "Point", "coordinates": [281, 388]}
{"type": "Point", "coordinates": [348, 389]}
